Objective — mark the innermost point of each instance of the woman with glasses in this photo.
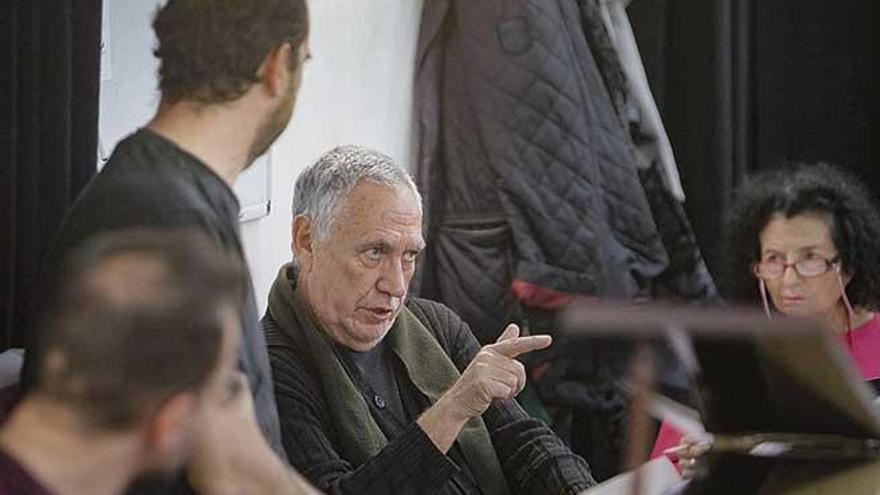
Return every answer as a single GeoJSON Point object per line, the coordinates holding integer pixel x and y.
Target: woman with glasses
{"type": "Point", "coordinates": [804, 241]}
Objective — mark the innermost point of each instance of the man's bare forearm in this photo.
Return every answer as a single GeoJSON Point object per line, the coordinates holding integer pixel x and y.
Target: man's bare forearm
{"type": "Point", "coordinates": [441, 424]}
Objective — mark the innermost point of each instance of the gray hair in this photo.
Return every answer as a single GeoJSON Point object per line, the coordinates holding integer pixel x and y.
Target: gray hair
{"type": "Point", "coordinates": [321, 190]}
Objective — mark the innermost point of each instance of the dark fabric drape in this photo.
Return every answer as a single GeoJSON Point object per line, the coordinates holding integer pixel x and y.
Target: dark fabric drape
{"type": "Point", "coordinates": [49, 80]}
{"type": "Point", "coordinates": [817, 84]}
{"type": "Point", "coordinates": [744, 85]}
{"type": "Point", "coordinates": [697, 56]}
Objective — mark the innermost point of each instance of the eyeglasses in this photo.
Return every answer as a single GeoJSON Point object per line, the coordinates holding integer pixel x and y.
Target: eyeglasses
{"type": "Point", "coordinates": [810, 267]}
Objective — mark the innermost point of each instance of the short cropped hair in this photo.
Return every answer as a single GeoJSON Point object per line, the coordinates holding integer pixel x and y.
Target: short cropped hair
{"type": "Point", "coordinates": [322, 190]}
{"type": "Point", "coordinates": [210, 50]}
{"type": "Point", "coordinates": [134, 318]}
{"type": "Point", "coordinates": [795, 189]}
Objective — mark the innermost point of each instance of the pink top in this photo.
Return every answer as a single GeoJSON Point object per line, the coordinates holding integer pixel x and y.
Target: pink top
{"type": "Point", "coordinates": [863, 343]}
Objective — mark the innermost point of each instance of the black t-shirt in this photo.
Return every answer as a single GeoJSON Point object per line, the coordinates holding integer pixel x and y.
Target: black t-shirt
{"type": "Point", "coordinates": [151, 182]}
{"type": "Point", "coordinates": [15, 480]}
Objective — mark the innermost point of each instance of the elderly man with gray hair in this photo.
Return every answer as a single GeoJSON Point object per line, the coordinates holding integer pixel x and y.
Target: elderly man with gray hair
{"type": "Point", "coordinates": [381, 393]}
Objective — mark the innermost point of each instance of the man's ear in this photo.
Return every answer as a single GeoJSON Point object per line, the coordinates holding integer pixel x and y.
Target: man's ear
{"type": "Point", "coordinates": [302, 240]}
{"type": "Point", "coordinates": [169, 431]}
{"type": "Point", "coordinates": [274, 71]}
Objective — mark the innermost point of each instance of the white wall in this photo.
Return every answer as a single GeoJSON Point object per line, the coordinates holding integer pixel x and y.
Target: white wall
{"type": "Point", "coordinates": [129, 91]}
{"type": "Point", "coordinates": [357, 89]}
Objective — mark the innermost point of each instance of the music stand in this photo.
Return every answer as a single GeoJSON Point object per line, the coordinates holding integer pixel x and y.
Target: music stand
{"type": "Point", "coordinates": [782, 398]}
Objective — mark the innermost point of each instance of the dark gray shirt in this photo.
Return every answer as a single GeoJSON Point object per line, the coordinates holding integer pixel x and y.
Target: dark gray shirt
{"type": "Point", "coordinates": [151, 182]}
{"type": "Point", "coordinates": [375, 372]}
{"type": "Point", "coordinates": [395, 403]}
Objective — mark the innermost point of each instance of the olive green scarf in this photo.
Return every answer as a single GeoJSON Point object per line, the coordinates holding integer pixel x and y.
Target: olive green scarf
{"type": "Point", "coordinates": [427, 366]}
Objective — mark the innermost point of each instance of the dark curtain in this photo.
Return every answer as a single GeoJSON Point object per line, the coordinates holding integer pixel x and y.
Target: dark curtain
{"type": "Point", "coordinates": [746, 84]}
{"type": "Point", "coordinates": [698, 59]}
{"type": "Point", "coordinates": [817, 78]}
{"type": "Point", "coordinates": [49, 79]}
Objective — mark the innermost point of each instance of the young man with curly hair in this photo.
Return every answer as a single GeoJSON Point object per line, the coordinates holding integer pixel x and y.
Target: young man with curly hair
{"type": "Point", "coordinates": [229, 74]}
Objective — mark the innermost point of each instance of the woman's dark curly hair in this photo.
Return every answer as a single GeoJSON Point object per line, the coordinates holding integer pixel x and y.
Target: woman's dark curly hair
{"type": "Point", "coordinates": [210, 50]}
{"type": "Point", "coordinates": [797, 189]}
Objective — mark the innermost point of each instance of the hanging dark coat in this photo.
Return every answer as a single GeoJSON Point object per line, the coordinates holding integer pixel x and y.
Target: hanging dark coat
{"type": "Point", "coordinates": [533, 193]}
{"type": "Point", "coordinates": [541, 186]}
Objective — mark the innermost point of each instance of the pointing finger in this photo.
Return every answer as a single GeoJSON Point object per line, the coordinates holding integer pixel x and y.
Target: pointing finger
{"type": "Point", "coordinates": [511, 332]}
{"type": "Point", "coordinates": [514, 347]}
